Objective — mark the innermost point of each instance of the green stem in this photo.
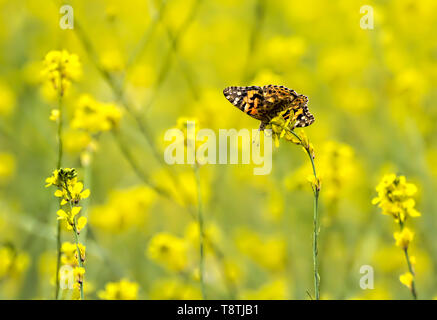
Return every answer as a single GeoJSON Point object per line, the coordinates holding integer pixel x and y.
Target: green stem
{"type": "Point", "coordinates": [201, 231]}
{"type": "Point", "coordinates": [410, 267]}
{"type": "Point", "coordinates": [59, 164]}
{"type": "Point", "coordinates": [79, 258]}
{"type": "Point", "coordinates": [316, 191]}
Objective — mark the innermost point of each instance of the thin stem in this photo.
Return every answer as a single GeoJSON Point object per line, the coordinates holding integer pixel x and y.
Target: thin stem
{"type": "Point", "coordinates": [410, 266]}
{"type": "Point", "coordinates": [76, 239]}
{"type": "Point", "coordinates": [316, 191]}
{"type": "Point", "coordinates": [201, 231]}
{"type": "Point", "coordinates": [79, 258]}
{"type": "Point", "coordinates": [59, 164]}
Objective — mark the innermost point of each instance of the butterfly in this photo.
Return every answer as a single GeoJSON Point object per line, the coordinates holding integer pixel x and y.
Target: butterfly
{"type": "Point", "coordinates": [266, 102]}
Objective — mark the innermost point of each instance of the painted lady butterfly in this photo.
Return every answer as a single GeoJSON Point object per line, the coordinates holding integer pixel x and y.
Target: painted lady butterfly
{"type": "Point", "coordinates": [265, 103]}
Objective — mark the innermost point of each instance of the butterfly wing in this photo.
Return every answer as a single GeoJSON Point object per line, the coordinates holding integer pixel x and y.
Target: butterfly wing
{"type": "Point", "coordinates": [264, 103]}
{"type": "Point", "coordinates": [299, 106]}
{"type": "Point", "coordinates": [248, 99]}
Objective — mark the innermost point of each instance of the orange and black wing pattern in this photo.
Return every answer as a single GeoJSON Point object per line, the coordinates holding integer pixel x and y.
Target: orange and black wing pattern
{"type": "Point", "coordinates": [265, 103]}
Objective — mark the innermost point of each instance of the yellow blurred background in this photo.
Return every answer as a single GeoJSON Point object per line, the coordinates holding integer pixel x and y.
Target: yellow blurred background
{"type": "Point", "coordinates": [152, 63]}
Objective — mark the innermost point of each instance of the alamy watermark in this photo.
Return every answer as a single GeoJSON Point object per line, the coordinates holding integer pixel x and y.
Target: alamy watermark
{"type": "Point", "coordinates": [203, 147]}
{"type": "Point", "coordinates": [366, 21]}
{"type": "Point", "coordinates": [67, 20]}
{"type": "Point", "coordinates": [367, 280]}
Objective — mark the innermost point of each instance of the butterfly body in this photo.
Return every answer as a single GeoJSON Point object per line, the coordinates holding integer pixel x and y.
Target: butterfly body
{"type": "Point", "coordinates": [265, 103]}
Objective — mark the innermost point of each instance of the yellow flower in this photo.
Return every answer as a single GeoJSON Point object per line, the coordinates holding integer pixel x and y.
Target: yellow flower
{"type": "Point", "coordinates": [69, 254]}
{"type": "Point", "coordinates": [54, 115]}
{"type": "Point", "coordinates": [81, 223]}
{"type": "Point", "coordinates": [404, 238]}
{"type": "Point", "coordinates": [407, 279]}
{"type": "Point", "coordinates": [174, 289]}
{"type": "Point", "coordinates": [269, 252]}
{"type": "Point", "coordinates": [122, 290]}
{"type": "Point", "coordinates": [7, 166]}
{"type": "Point", "coordinates": [275, 290]}
{"type": "Point", "coordinates": [211, 231]}
{"type": "Point", "coordinates": [395, 197]}
{"type": "Point", "coordinates": [7, 100]}
{"type": "Point", "coordinates": [124, 209]}
{"type": "Point", "coordinates": [169, 251]}
{"type": "Point", "coordinates": [12, 263]}
{"type": "Point", "coordinates": [69, 215]}
{"type": "Point", "coordinates": [60, 68]}
{"type": "Point", "coordinates": [94, 117]}
{"type": "Point", "coordinates": [79, 273]}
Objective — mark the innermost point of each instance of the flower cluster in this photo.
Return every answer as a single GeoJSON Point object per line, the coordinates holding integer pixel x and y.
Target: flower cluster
{"type": "Point", "coordinates": [70, 258]}
{"type": "Point", "coordinates": [94, 117]}
{"type": "Point", "coordinates": [395, 197]}
{"type": "Point", "coordinates": [12, 263]}
{"type": "Point", "coordinates": [60, 68]}
{"type": "Point", "coordinates": [174, 289]}
{"type": "Point", "coordinates": [71, 193]}
{"type": "Point", "coordinates": [168, 250]}
{"type": "Point", "coordinates": [122, 290]}
{"type": "Point", "coordinates": [269, 252]}
{"type": "Point", "coordinates": [124, 209]}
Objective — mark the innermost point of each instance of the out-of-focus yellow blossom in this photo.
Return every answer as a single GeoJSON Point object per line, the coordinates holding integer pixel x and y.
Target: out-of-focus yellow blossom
{"type": "Point", "coordinates": [122, 290]}
{"type": "Point", "coordinates": [123, 210]}
{"type": "Point", "coordinates": [404, 238]}
{"type": "Point", "coordinates": [378, 293]}
{"type": "Point", "coordinates": [232, 272]}
{"type": "Point", "coordinates": [60, 68]}
{"type": "Point", "coordinates": [407, 279]}
{"type": "Point", "coordinates": [94, 117]}
{"type": "Point", "coordinates": [338, 169]}
{"type": "Point", "coordinates": [275, 290]}
{"type": "Point", "coordinates": [284, 52]}
{"type": "Point", "coordinates": [12, 263]}
{"type": "Point", "coordinates": [174, 289]}
{"type": "Point", "coordinates": [7, 100]}
{"type": "Point", "coordinates": [395, 197]}
{"type": "Point", "coordinates": [212, 235]}
{"type": "Point", "coordinates": [142, 75]}
{"type": "Point", "coordinates": [75, 141]}
{"type": "Point", "coordinates": [7, 166]}
{"type": "Point", "coordinates": [112, 60]}
{"type": "Point", "coordinates": [268, 252]}
{"type": "Point", "coordinates": [168, 251]}
{"type": "Point", "coordinates": [354, 99]}
{"type": "Point", "coordinates": [47, 266]}
{"type": "Point", "coordinates": [275, 205]}
{"type": "Point", "coordinates": [54, 115]}
{"type": "Point", "coordinates": [186, 192]}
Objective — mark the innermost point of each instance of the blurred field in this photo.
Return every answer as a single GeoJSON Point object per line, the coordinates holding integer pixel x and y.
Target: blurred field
{"type": "Point", "coordinates": [372, 93]}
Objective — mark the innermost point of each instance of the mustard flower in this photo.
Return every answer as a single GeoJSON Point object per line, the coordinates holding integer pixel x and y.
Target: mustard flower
{"type": "Point", "coordinates": [122, 290]}
{"type": "Point", "coordinates": [407, 279]}
{"type": "Point", "coordinates": [60, 68]}
{"type": "Point", "coordinates": [12, 263]}
{"type": "Point", "coordinates": [93, 116]}
{"type": "Point", "coordinates": [169, 251]}
{"type": "Point", "coordinates": [404, 238]}
{"type": "Point", "coordinates": [174, 289]}
{"type": "Point", "coordinates": [395, 197]}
